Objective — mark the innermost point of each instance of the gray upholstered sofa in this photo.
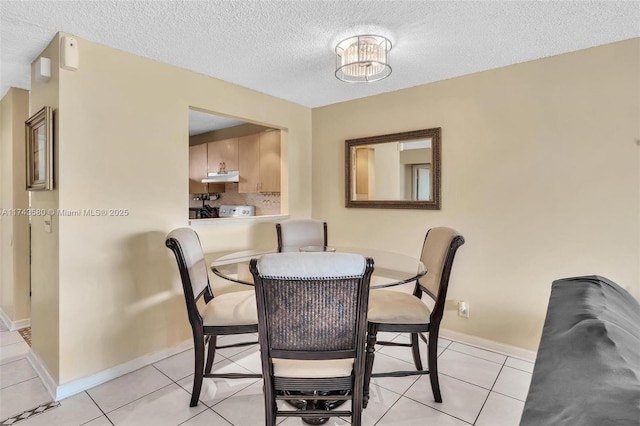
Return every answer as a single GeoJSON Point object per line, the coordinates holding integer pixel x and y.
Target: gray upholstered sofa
{"type": "Point", "coordinates": [587, 371]}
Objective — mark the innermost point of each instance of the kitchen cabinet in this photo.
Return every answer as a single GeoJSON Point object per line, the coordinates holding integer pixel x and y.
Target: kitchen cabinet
{"type": "Point", "coordinates": [259, 162]}
{"type": "Point", "coordinates": [198, 169]}
{"type": "Point", "coordinates": [222, 155]}
{"type": "Point", "coordinates": [270, 161]}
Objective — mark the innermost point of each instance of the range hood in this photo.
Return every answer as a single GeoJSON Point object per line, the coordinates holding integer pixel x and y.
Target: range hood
{"type": "Point", "coordinates": [222, 176]}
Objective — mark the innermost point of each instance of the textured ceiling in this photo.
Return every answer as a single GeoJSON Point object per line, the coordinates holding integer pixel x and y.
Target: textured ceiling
{"type": "Point", "coordinates": [285, 48]}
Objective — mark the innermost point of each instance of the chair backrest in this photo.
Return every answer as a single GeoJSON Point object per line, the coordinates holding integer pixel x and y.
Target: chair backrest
{"type": "Point", "coordinates": [312, 305]}
{"type": "Point", "coordinates": [185, 244]}
{"type": "Point", "coordinates": [438, 251]}
{"type": "Point", "coordinates": [300, 233]}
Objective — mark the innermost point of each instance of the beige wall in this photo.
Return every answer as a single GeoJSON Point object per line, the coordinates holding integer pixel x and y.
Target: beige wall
{"type": "Point", "coordinates": [123, 144]}
{"type": "Point", "coordinates": [45, 308]}
{"type": "Point", "coordinates": [540, 173]}
{"type": "Point", "coordinates": [14, 226]}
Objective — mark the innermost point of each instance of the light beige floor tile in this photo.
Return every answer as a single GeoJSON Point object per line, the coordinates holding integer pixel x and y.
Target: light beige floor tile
{"type": "Point", "coordinates": [249, 359]}
{"type": "Point", "coordinates": [411, 413]}
{"type": "Point", "coordinates": [383, 363]}
{"type": "Point", "coordinates": [405, 337]}
{"type": "Point", "coordinates": [477, 352]}
{"type": "Point", "coordinates": [14, 351]}
{"type": "Point", "coordinates": [22, 396]}
{"type": "Point", "coordinates": [380, 401]}
{"type": "Point", "coordinates": [167, 406]}
{"type": "Point", "coordinates": [513, 383]}
{"type": "Point", "coordinates": [100, 421]}
{"type": "Point", "coordinates": [16, 372]}
{"type": "Point", "coordinates": [127, 388]}
{"type": "Point", "coordinates": [206, 418]}
{"type": "Point", "coordinates": [215, 390]}
{"type": "Point", "coordinates": [3, 327]}
{"type": "Point", "coordinates": [468, 368]}
{"type": "Point", "coordinates": [500, 410]}
{"type": "Point", "coordinates": [520, 364]}
{"type": "Point", "coordinates": [459, 399]}
{"type": "Point", "coordinates": [179, 366]}
{"type": "Point", "coordinates": [405, 354]}
{"type": "Point", "coordinates": [245, 408]}
{"type": "Point", "coordinates": [443, 343]}
{"type": "Point", "coordinates": [10, 337]}
{"type": "Point", "coordinates": [75, 410]}
{"type": "Point", "coordinates": [232, 339]}
{"type": "Point", "coordinates": [387, 336]}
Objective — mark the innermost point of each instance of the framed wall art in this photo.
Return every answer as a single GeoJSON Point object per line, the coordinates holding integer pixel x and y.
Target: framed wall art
{"type": "Point", "coordinates": [39, 138]}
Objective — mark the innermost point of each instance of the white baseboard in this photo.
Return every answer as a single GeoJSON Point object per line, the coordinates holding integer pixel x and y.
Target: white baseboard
{"type": "Point", "coordinates": [43, 373]}
{"type": "Point", "coordinates": [66, 390]}
{"type": "Point", "coordinates": [14, 325]}
{"type": "Point", "coordinates": [490, 345]}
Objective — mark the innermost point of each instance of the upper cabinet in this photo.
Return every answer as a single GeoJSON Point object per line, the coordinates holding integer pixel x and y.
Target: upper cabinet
{"type": "Point", "coordinates": [259, 162]}
{"type": "Point", "coordinates": [223, 155]}
{"type": "Point", "coordinates": [270, 161]}
{"type": "Point", "coordinates": [249, 163]}
{"type": "Point", "coordinates": [198, 169]}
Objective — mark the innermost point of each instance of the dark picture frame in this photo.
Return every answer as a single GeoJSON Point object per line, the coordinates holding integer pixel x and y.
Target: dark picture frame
{"type": "Point", "coordinates": [39, 143]}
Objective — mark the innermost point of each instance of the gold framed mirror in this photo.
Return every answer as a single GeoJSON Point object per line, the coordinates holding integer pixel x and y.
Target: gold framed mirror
{"type": "Point", "coordinates": [394, 171]}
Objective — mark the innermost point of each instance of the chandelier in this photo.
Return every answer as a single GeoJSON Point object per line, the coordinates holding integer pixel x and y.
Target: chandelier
{"type": "Point", "coordinates": [363, 58]}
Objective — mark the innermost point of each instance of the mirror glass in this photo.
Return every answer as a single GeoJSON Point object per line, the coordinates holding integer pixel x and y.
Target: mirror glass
{"type": "Point", "coordinates": [398, 171]}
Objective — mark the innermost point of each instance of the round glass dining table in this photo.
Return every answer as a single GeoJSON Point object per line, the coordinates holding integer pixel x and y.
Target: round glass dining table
{"type": "Point", "coordinates": [390, 269]}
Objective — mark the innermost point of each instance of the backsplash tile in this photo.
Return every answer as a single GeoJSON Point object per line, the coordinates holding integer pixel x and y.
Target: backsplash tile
{"type": "Point", "coordinates": [265, 203]}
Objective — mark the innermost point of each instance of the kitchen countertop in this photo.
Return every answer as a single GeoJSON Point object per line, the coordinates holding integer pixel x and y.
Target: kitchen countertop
{"type": "Point", "coordinates": [245, 219]}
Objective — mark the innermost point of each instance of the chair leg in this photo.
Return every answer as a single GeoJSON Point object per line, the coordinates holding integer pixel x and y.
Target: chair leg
{"type": "Point", "coordinates": [198, 347]}
{"type": "Point", "coordinates": [269, 405]}
{"type": "Point", "coordinates": [211, 353]}
{"type": "Point", "coordinates": [433, 364]}
{"type": "Point", "coordinates": [368, 364]}
{"type": "Point", "coordinates": [415, 350]}
{"type": "Point", "coordinates": [357, 399]}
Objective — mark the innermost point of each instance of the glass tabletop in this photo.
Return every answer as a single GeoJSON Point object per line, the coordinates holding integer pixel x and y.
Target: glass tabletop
{"type": "Point", "coordinates": [390, 269]}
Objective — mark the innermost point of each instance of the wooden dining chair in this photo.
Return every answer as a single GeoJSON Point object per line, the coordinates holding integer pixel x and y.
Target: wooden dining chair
{"type": "Point", "coordinates": [312, 310]}
{"type": "Point", "coordinates": [300, 233]}
{"type": "Point", "coordinates": [395, 311]}
{"type": "Point", "coordinates": [230, 313]}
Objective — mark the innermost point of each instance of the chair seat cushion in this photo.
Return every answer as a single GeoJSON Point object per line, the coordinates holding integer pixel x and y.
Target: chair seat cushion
{"type": "Point", "coordinates": [395, 307]}
{"type": "Point", "coordinates": [312, 368]}
{"type": "Point", "coordinates": [236, 308]}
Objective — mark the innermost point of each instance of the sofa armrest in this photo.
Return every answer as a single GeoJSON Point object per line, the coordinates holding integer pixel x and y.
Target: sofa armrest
{"type": "Point", "coordinates": [587, 371]}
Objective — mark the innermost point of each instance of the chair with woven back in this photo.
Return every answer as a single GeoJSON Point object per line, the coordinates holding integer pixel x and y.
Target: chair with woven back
{"type": "Point", "coordinates": [312, 310]}
{"type": "Point", "coordinates": [301, 232]}
{"type": "Point", "coordinates": [395, 311]}
{"type": "Point", "coordinates": [230, 313]}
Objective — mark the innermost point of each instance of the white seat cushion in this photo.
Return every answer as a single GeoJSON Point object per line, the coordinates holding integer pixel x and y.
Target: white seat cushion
{"type": "Point", "coordinates": [394, 307]}
{"type": "Point", "coordinates": [312, 368]}
{"type": "Point", "coordinates": [237, 308]}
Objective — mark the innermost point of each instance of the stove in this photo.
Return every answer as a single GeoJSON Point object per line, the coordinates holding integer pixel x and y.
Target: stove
{"type": "Point", "coordinates": [236, 211]}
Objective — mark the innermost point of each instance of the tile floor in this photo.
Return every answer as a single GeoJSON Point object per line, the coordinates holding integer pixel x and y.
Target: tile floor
{"type": "Point", "coordinates": [479, 387]}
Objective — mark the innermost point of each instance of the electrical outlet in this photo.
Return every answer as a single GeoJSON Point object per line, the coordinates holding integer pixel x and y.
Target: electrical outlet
{"type": "Point", "coordinates": [463, 309]}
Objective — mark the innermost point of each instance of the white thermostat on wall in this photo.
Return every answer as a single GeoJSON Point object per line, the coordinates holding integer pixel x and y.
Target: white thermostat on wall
{"type": "Point", "coordinates": [69, 57]}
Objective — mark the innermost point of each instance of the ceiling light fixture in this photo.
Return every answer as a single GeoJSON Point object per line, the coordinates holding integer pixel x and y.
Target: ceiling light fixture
{"type": "Point", "coordinates": [363, 58]}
